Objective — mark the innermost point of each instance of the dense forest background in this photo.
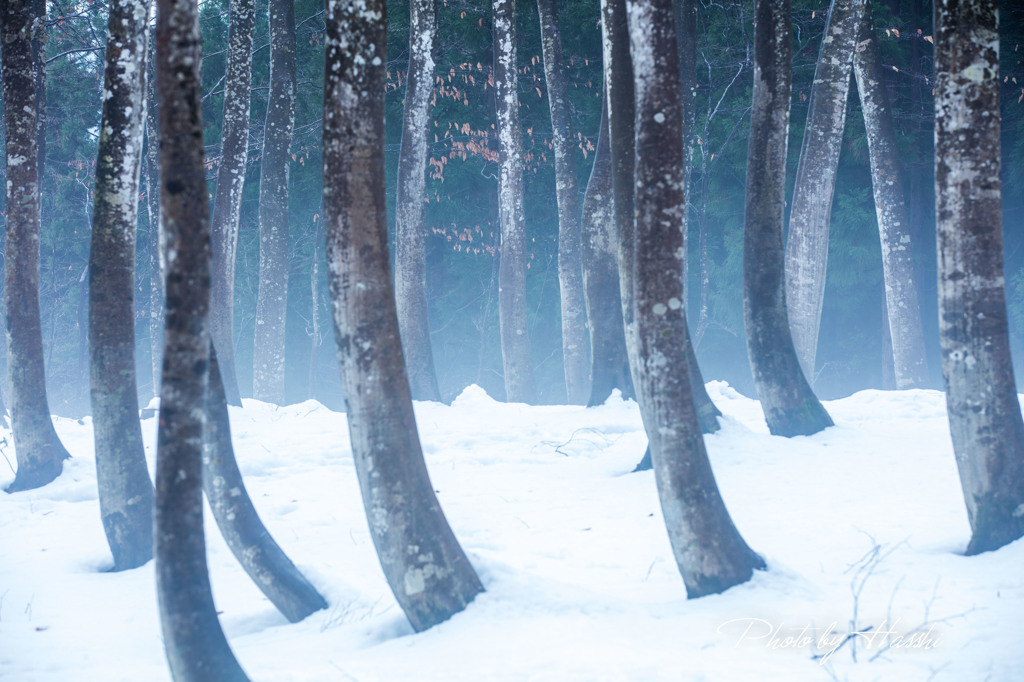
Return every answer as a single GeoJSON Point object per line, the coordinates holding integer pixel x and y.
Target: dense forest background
{"type": "Point", "coordinates": [462, 239]}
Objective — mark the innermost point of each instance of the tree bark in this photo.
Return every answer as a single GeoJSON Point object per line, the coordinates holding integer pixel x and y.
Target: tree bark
{"type": "Point", "coordinates": [426, 568]}
{"type": "Point", "coordinates": [272, 297]}
{"type": "Point", "coordinates": [38, 46]}
{"type": "Point", "coordinates": [570, 268]}
{"type": "Point", "coordinates": [981, 397]}
{"type": "Point", "coordinates": [122, 476]}
{"type": "Point", "coordinates": [790, 406]}
{"type": "Point", "coordinates": [230, 183]}
{"type": "Point", "coordinates": [196, 648]}
{"type": "Point", "coordinates": [154, 237]}
{"type": "Point", "coordinates": [410, 254]}
{"type": "Point", "coordinates": [811, 214]}
{"type": "Point", "coordinates": [40, 454]}
{"type": "Point", "coordinates": [904, 310]}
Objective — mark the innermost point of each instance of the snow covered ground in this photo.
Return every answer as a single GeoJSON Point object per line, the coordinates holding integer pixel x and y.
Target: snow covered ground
{"type": "Point", "coordinates": [862, 527]}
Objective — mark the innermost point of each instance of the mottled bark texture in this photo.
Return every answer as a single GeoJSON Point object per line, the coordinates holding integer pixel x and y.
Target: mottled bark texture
{"type": "Point", "coordinates": [38, 46]}
{"type": "Point", "coordinates": [790, 406]}
{"type": "Point", "coordinates": [410, 235]}
{"type": "Point", "coordinates": [904, 310]}
{"type": "Point", "coordinates": [512, 317]}
{"type": "Point", "coordinates": [811, 213]}
{"type": "Point", "coordinates": [40, 454]}
{"type": "Point", "coordinates": [196, 648]}
{"type": "Point", "coordinates": [709, 551]}
{"type": "Point", "coordinates": [609, 364]}
{"type": "Point", "coordinates": [239, 523]}
{"type": "Point", "coordinates": [234, 147]}
{"type": "Point", "coordinates": [122, 477]}
{"type": "Point", "coordinates": [272, 297]}
{"type": "Point", "coordinates": [426, 568]}
{"type": "Point", "coordinates": [154, 236]}
{"type": "Point", "coordinates": [981, 398]}
{"type": "Point", "coordinates": [570, 268]}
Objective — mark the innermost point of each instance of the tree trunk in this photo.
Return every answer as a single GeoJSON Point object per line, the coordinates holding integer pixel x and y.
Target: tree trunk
{"type": "Point", "coordinates": [790, 406]}
{"type": "Point", "coordinates": [230, 183]}
{"type": "Point", "coordinates": [809, 218]}
{"type": "Point", "coordinates": [272, 298]}
{"type": "Point", "coordinates": [429, 574]}
{"type": "Point", "coordinates": [154, 237]}
{"type": "Point", "coordinates": [981, 397]}
{"type": "Point", "coordinates": [709, 551]}
{"type": "Point", "coordinates": [512, 317]}
{"type": "Point", "coordinates": [239, 523]}
{"type": "Point", "coordinates": [40, 454]}
{"type": "Point", "coordinates": [610, 366]}
{"type": "Point", "coordinates": [196, 648]}
{"type": "Point", "coordinates": [410, 254]}
{"type": "Point", "coordinates": [570, 268]}
{"type": "Point", "coordinates": [125, 491]}
{"type": "Point", "coordinates": [38, 46]}
{"type": "Point", "coordinates": [910, 364]}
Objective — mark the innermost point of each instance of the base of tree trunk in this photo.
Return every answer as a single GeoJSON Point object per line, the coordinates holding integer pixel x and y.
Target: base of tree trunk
{"type": "Point", "coordinates": [42, 471]}
{"type": "Point", "coordinates": [998, 521]}
{"type": "Point", "coordinates": [805, 420]}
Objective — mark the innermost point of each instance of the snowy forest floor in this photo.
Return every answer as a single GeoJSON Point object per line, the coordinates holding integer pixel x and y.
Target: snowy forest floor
{"type": "Point", "coordinates": [862, 526]}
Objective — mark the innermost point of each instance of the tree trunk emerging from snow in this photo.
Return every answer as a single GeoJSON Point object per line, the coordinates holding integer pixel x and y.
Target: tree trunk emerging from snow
{"type": "Point", "coordinates": [410, 252]}
{"type": "Point", "coordinates": [512, 316]}
{"type": "Point", "coordinates": [709, 551]}
{"type": "Point", "coordinates": [809, 218]}
{"type": "Point", "coordinates": [272, 297]}
{"type": "Point", "coordinates": [609, 364]}
{"type": "Point", "coordinates": [904, 310]}
{"type": "Point", "coordinates": [125, 491]}
{"type": "Point", "coordinates": [154, 240]}
{"type": "Point", "coordinates": [790, 406]}
{"type": "Point", "coordinates": [981, 399]}
{"type": "Point", "coordinates": [429, 574]}
{"type": "Point", "coordinates": [570, 268]}
{"type": "Point", "coordinates": [40, 453]}
{"type": "Point", "coordinates": [230, 183]}
{"type": "Point", "coordinates": [196, 648]}
{"type": "Point", "coordinates": [250, 542]}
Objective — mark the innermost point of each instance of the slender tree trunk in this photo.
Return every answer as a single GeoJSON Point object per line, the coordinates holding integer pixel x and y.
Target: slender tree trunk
{"type": "Point", "coordinates": [230, 183]}
{"type": "Point", "coordinates": [512, 316]}
{"type": "Point", "coordinates": [570, 268]}
{"type": "Point", "coordinates": [272, 298]}
{"type": "Point", "coordinates": [904, 310]}
{"type": "Point", "coordinates": [790, 406]}
{"type": "Point", "coordinates": [196, 648]}
{"type": "Point", "coordinates": [610, 366]}
{"type": "Point", "coordinates": [154, 237]}
{"type": "Point", "coordinates": [981, 397]}
{"type": "Point", "coordinates": [125, 491]}
{"type": "Point", "coordinates": [411, 255]}
{"type": "Point", "coordinates": [429, 574]}
{"type": "Point", "coordinates": [809, 218]}
{"type": "Point", "coordinates": [40, 454]}
{"type": "Point", "coordinates": [314, 289]}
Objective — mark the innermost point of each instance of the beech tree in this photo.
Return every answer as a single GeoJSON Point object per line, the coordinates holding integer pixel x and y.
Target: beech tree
{"type": "Point", "coordinates": [154, 239]}
{"type": "Point", "coordinates": [122, 476]}
{"type": "Point", "coordinates": [790, 406]}
{"type": "Point", "coordinates": [426, 568]}
{"type": "Point", "coordinates": [196, 647]}
{"type": "Point", "coordinates": [981, 397]}
{"type": "Point", "coordinates": [410, 246]}
{"type": "Point", "coordinates": [40, 454]}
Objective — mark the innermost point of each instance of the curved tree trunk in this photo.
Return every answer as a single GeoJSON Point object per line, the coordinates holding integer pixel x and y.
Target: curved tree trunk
{"type": "Point", "coordinates": [512, 316]}
{"type": "Point", "coordinates": [790, 406]}
{"type": "Point", "coordinates": [40, 453]}
{"type": "Point", "coordinates": [981, 397]}
{"type": "Point", "coordinates": [272, 297]}
{"type": "Point", "coordinates": [709, 551]}
{"type": "Point", "coordinates": [196, 648]}
{"type": "Point", "coordinates": [570, 269]}
{"type": "Point", "coordinates": [903, 307]}
{"type": "Point", "coordinates": [609, 364]}
{"type": "Point", "coordinates": [429, 574]}
{"type": "Point", "coordinates": [125, 491]}
{"type": "Point", "coordinates": [154, 237]}
{"type": "Point", "coordinates": [239, 523]}
{"type": "Point", "coordinates": [230, 183]}
{"type": "Point", "coordinates": [809, 218]}
{"type": "Point", "coordinates": [410, 247]}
